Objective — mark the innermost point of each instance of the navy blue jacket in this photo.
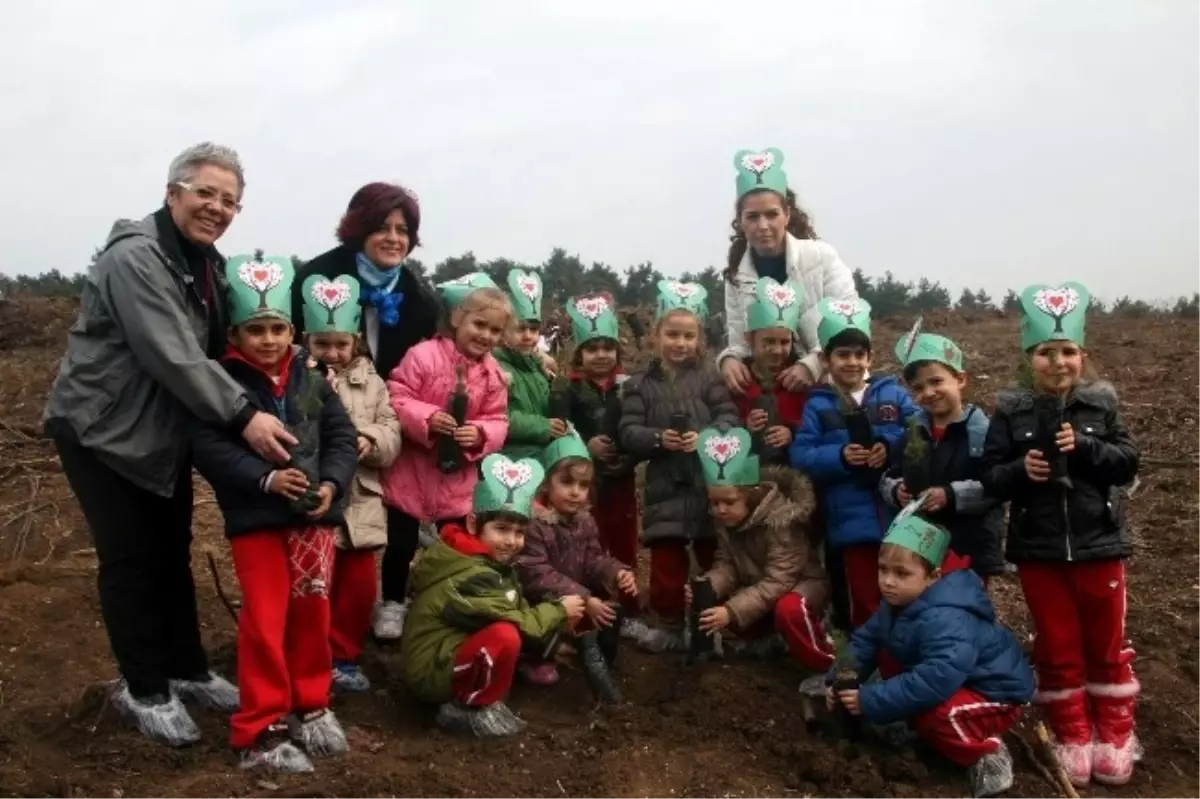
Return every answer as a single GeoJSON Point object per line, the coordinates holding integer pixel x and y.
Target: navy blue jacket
{"type": "Point", "coordinates": [853, 510]}
{"type": "Point", "coordinates": [974, 519]}
{"type": "Point", "coordinates": [947, 639]}
{"type": "Point", "coordinates": [236, 472]}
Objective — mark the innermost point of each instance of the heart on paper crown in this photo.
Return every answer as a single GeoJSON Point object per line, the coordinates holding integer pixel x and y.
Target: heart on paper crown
{"type": "Point", "coordinates": [261, 277]}
{"type": "Point", "coordinates": [758, 162]}
{"type": "Point", "coordinates": [846, 308]}
{"type": "Point", "coordinates": [530, 287]}
{"type": "Point", "coordinates": [591, 307]}
{"type": "Point", "coordinates": [511, 475]}
{"type": "Point", "coordinates": [330, 294]}
{"type": "Point", "coordinates": [781, 296]}
{"type": "Point", "coordinates": [1056, 302]}
{"type": "Point", "coordinates": [722, 449]}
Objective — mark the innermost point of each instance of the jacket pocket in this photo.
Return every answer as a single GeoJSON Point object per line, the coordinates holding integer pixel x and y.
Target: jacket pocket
{"type": "Point", "coordinates": [1115, 506]}
{"type": "Point", "coordinates": [1024, 431]}
{"type": "Point", "coordinates": [1092, 424]}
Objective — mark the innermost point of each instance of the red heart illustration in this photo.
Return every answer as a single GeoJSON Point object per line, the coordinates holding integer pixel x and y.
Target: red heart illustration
{"type": "Point", "coordinates": [1056, 300]}
{"type": "Point", "coordinates": [512, 474]}
{"type": "Point", "coordinates": [261, 275]}
{"type": "Point", "coordinates": [331, 293]}
{"type": "Point", "coordinates": [721, 449]}
{"type": "Point", "coordinates": [758, 161]}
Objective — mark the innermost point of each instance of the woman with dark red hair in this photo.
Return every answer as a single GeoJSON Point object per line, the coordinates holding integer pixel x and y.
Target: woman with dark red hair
{"type": "Point", "coordinates": [378, 231]}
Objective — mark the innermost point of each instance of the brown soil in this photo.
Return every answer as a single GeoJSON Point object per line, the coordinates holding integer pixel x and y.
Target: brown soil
{"type": "Point", "coordinates": [723, 728]}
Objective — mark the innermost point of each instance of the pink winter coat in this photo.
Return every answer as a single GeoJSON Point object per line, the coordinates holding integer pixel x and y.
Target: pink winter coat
{"type": "Point", "coordinates": [420, 387]}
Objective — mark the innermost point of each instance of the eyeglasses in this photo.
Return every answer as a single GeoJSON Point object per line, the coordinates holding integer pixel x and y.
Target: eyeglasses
{"type": "Point", "coordinates": [208, 194]}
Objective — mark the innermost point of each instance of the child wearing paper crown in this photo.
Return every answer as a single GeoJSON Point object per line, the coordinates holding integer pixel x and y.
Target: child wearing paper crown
{"type": "Point", "coordinates": [563, 557]}
{"type": "Point", "coordinates": [477, 317]}
{"type": "Point", "coordinates": [963, 677]}
{"type": "Point", "coordinates": [939, 456]}
{"type": "Point", "coordinates": [469, 619]}
{"type": "Point", "coordinates": [663, 409]}
{"type": "Point", "coordinates": [768, 410]}
{"type": "Point", "coordinates": [529, 427]}
{"type": "Point", "coordinates": [281, 522]}
{"type": "Point", "coordinates": [595, 413]}
{"type": "Point", "coordinates": [843, 444]}
{"type": "Point", "coordinates": [332, 316]}
{"type": "Point", "coordinates": [767, 569]}
{"type": "Point", "coordinates": [1067, 533]}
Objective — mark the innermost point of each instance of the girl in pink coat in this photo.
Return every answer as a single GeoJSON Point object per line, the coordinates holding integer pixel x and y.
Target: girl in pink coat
{"type": "Point", "coordinates": [436, 472]}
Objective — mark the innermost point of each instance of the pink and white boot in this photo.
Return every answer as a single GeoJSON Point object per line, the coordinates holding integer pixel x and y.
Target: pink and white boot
{"type": "Point", "coordinates": [1067, 713]}
{"type": "Point", "coordinates": [1116, 746]}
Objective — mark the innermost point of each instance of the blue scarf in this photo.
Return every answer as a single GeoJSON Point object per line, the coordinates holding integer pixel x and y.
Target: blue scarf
{"type": "Point", "coordinates": [379, 289]}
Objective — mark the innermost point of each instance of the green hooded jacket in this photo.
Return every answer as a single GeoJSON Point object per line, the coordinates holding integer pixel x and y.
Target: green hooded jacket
{"type": "Point", "coordinates": [459, 590]}
{"type": "Point", "coordinates": [528, 404]}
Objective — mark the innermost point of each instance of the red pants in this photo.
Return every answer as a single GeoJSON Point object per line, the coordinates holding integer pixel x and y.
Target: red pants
{"type": "Point", "coordinates": [484, 664]}
{"type": "Point", "coordinates": [801, 628]}
{"type": "Point", "coordinates": [283, 656]}
{"type": "Point", "coordinates": [966, 726]}
{"type": "Point", "coordinates": [861, 564]}
{"type": "Point", "coordinates": [351, 602]}
{"type": "Point", "coordinates": [616, 515]}
{"type": "Point", "coordinates": [669, 570]}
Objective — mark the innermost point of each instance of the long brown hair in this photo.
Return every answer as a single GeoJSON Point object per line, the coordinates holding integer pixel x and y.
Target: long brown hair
{"type": "Point", "coordinates": [799, 225]}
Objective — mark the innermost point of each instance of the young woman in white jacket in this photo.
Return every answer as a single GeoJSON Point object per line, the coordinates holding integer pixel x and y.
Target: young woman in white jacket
{"type": "Point", "coordinates": [774, 238]}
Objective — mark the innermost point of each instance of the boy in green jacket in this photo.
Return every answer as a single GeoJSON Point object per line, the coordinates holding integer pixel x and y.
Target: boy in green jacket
{"type": "Point", "coordinates": [530, 427]}
{"type": "Point", "coordinates": [468, 619]}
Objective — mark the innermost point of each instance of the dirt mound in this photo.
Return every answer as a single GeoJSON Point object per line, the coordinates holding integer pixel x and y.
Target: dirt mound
{"type": "Point", "coordinates": [727, 728]}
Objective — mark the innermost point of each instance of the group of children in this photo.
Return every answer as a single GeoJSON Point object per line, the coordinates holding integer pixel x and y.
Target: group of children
{"type": "Point", "coordinates": [530, 482]}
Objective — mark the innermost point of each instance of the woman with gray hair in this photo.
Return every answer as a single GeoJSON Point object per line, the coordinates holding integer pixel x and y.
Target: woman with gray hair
{"type": "Point", "coordinates": [138, 368]}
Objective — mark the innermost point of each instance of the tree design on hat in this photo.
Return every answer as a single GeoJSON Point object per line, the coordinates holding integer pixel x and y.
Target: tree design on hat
{"type": "Point", "coordinates": [592, 308]}
{"type": "Point", "coordinates": [511, 475]}
{"type": "Point", "coordinates": [782, 296]}
{"type": "Point", "coordinates": [330, 295]}
{"type": "Point", "coordinates": [721, 450]}
{"type": "Point", "coordinates": [847, 309]}
{"type": "Point", "coordinates": [1056, 303]}
{"type": "Point", "coordinates": [261, 276]}
{"type": "Point", "coordinates": [530, 286]}
{"type": "Point", "coordinates": [758, 164]}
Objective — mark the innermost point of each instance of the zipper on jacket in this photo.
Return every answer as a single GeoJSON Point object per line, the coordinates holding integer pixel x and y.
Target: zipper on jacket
{"type": "Point", "coordinates": [1066, 521]}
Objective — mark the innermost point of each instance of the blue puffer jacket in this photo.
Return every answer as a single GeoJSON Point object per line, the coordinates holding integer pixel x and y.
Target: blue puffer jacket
{"type": "Point", "coordinates": [945, 640]}
{"type": "Point", "coordinates": [853, 509]}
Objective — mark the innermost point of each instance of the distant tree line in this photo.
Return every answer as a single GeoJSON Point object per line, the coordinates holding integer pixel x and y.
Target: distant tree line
{"type": "Point", "coordinates": [564, 275]}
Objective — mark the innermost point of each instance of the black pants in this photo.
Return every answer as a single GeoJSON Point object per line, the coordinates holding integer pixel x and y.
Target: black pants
{"type": "Point", "coordinates": [147, 596]}
{"type": "Point", "coordinates": [402, 534]}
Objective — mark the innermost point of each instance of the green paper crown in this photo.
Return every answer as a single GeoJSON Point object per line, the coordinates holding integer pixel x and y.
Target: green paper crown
{"type": "Point", "coordinates": [526, 291]}
{"type": "Point", "coordinates": [674, 295]}
{"type": "Point", "coordinates": [910, 531]}
{"type": "Point", "coordinates": [1053, 314]}
{"type": "Point", "coordinates": [592, 316]}
{"type": "Point", "coordinates": [568, 446]}
{"type": "Point", "coordinates": [726, 458]}
{"type": "Point", "coordinates": [259, 287]}
{"type": "Point", "coordinates": [775, 305]}
{"type": "Point", "coordinates": [917, 347]}
{"type": "Point", "coordinates": [456, 290]}
{"type": "Point", "coordinates": [331, 306]}
{"type": "Point", "coordinates": [507, 485]}
{"type": "Point", "coordinates": [840, 315]}
{"type": "Point", "coordinates": [760, 169]}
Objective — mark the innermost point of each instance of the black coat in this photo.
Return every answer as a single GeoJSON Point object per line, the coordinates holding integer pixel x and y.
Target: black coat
{"type": "Point", "coordinates": [596, 411]}
{"type": "Point", "coordinates": [1052, 521]}
{"type": "Point", "coordinates": [954, 464]}
{"type": "Point", "coordinates": [419, 313]}
{"type": "Point", "coordinates": [236, 472]}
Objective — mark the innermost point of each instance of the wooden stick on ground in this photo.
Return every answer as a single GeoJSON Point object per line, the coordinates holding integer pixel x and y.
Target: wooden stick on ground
{"type": "Point", "coordinates": [225, 600]}
{"type": "Point", "coordinates": [1047, 750]}
{"type": "Point", "coordinates": [1027, 748]}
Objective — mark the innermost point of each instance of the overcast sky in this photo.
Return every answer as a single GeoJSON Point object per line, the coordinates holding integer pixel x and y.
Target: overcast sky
{"type": "Point", "coordinates": [971, 141]}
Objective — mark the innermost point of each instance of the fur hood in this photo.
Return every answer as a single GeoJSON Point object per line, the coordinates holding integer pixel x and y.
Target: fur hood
{"type": "Point", "coordinates": [789, 499]}
{"type": "Point", "coordinates": [1097, 393]}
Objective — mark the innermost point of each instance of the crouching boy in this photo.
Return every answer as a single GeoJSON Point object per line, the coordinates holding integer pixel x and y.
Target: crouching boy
{"type": "Point", "coordinates": [963, 677]}
{"type": "Point", "coordinates": [468, 620]}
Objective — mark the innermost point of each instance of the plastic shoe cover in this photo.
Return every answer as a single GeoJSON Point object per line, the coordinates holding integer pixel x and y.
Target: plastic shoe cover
{"type": "Point", "coordinates": [596, 672]}
{"type": "Point", "coordinates": [214, 693]}
{"type": "Point", "coordinates": [633, 628]}
{"type": "Point", "coordinates": [349, 678]}
{"type": "Point", "coordinates": [283, 756]}
{"type": "Point", "coordinates": [658, 640]}
{"type": "Point", "coordinates": [163, 719]}
{"type": "Point", "coordinates": [389, 620]}
{"type": "Point", "coordinates": [493, 721]}
{"type": "Point", "coordinates": [506, 712]}
{"type": "Point", "coordinates": [1076, 760]}
{"type": "Point", "coordinates": [319, 733]}
{"type": "Point", "coordinates": [541, 672]}
{"type": "Point", "coordinates": [764, 648]}
{"type": "Point", "coordinates": [814, 686]}
{"type": "Point", "coordinates": [1112, 764]}
{"type": "Point", "coordinates": [427, 535]}
{"type": "Point", "coordinates": [992, 774]}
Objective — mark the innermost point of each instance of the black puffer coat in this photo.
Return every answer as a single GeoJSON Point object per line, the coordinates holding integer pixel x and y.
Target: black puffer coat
{"type": "Point", "coordinates": [1052, 521]}
{"type": "Point", "coordinates": [676, 501]}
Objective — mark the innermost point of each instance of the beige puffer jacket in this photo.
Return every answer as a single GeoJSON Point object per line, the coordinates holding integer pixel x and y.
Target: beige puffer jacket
{"type": "Point", "coordinates": [365, 396]}
{"type": "Point", "coordinates": [772, 553]}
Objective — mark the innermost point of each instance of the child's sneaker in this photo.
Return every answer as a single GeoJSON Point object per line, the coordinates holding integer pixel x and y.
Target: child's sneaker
{"type": "Point", "coordinates": [492, 721]}
{"type": "Point", "coordinates": [389, 620]}
{"type": "Point", "coordinates": [538, 672]}
{"type": "Point", "coordinates": [633, 628]}
{"type": "Point", "coordinates": [161, 718]}
{"type": "Point", "coordinates": [319, 733]}
{"type": "Point", "coordinates": [992, 774]}
{"type": "Point", "coordinates": [211, 691]}
{"type": "Point", "coordinates": [348, 678]}
{"type": "Point", "coordinates": [275, 751]}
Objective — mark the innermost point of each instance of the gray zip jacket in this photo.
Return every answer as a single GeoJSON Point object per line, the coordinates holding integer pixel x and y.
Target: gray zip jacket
{"type": "Point", "coordinates": [135, 370]}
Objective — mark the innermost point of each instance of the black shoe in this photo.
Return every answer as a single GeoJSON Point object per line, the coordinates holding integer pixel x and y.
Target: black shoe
{"type": "Point", "coordinates": [596, 671]}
